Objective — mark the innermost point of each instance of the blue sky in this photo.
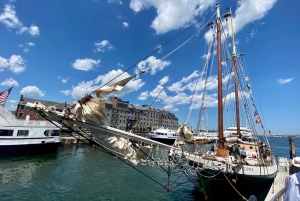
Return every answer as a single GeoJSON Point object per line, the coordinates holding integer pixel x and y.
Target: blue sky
{"type": "Point", "coordinates": [60, 50]}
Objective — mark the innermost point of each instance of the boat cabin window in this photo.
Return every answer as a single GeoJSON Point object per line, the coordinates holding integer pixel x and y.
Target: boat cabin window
{"type": "Point", "coordinates": [55, 133]}
{"type": "Point", "coordinates": [6, 132]}
{"type": "Point", "coordinates": [249, 139]}
{"type": "Point", "coordinates": [23, 132]}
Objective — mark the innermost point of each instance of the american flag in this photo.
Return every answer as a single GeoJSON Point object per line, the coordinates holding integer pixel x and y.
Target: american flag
{"type": "Point", "coordinates": [4, 95]}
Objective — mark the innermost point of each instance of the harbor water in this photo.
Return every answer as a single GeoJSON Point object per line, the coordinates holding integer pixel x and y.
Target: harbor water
{"type": "Point", "coordinates": [81, 172]}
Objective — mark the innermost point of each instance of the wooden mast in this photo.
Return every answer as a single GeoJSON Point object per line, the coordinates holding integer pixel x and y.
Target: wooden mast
{"type": "Point", "coordinates": [236, 91]}
{"type": "Point", "coordinates": [220, 98]}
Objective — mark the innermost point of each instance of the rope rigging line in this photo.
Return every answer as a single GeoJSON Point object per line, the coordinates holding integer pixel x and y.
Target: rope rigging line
{"type": "Point", "coordinates": [164, 86]}
{"type": "Point", "coordinates": [157, 49]}
{"type": "Point", "coordinates": [209, 69]}
{"type": "Point", "coordinates": [103, 148]}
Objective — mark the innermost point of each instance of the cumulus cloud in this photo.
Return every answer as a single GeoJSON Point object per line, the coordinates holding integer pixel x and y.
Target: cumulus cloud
{"type": "Point", "coordinates": [30, 44]}
{"type": "Point", "coordinates": [154, 64]}
{"type": "Point", "coordinates": [65, 92]}
{"type": "Point", "coordinates": [125, 24]}
{"type": "Point", "coordinates": [103, 46]}
{"type": "Point", "coordinates": [115, 1]}
{"type": "Point", "coordinates": [121, 65]}
{"type": "Point", "coordinates": [284, 81]}
{"type": "Point", "coordinates": [172, 15]}
{"type": "Point", "coordinates": [85, 64]}
{"type": "Point", "coordinates": [9, 82]}
{"type": "Point", "coordinates": [26, 48]}
{"type": "Point", "coordinates": [87, 87]}
{"type": "Point", "coordinates": [144, 95]}
{"type": "Point", "coordinates": [63, 80]}
{"type": "Point", "coordinates": [12, 104]}
{"type": "Point", "coordinates": [32, 91]}
{"type": "Point", "coordinates": [164, 80]}
{"type": "Point", "coordinates": [15, 63]}
{"type": "Point", "coordinates": [160, 48]}
{"type": "Point", "coordinates": [10, 20]}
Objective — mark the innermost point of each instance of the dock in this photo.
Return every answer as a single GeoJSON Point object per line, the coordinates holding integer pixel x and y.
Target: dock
{"type": "Point", "coordinates": [277, 190]}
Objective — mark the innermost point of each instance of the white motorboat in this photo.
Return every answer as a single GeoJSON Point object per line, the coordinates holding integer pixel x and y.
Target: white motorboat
{"type": "Point", "coordinates": [26, 136]}
{"type": "Point", "coordinates": [163, 135]}
{"type": "Point", "coordinates": [232, 130]}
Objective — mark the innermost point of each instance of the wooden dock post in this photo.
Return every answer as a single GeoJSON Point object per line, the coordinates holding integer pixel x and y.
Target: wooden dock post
{"type": "Point", "coordinates": [292, 147]}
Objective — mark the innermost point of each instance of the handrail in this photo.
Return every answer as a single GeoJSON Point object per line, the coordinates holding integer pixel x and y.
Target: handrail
{"type": "Point", "coordinates": [279, 194]}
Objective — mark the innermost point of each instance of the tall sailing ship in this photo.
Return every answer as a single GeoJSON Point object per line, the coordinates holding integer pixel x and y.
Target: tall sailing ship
{"type": "Point", "coordinates": [217, 165]}
{"type": "Point", "coordinates": [222, 169]}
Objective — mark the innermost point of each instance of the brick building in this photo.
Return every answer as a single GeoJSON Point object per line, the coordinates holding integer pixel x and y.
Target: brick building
{"type": "Point", "coordinates": [119, 113]}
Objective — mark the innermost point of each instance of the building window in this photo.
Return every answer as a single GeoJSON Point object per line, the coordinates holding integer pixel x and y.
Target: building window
{"type": "Point", "coordinates": [23, 132]}
{"type": "Point", "coordinates": [122, 105]}
{"type": "Point", "coordinates": [38, 116]}
{"type": "Point", "coordinates": [21, 114]}
{"type": "Point", "coordinates": [108, 114]}
{"type": "Point", "coordinates": [6, 132]}
{"type": "Point", "coordinates": [22, 107]}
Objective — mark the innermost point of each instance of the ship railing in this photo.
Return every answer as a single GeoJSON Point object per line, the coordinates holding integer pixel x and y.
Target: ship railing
{"type": "Point", "coordinates": [6, 115]}
{"type": "Point", "coordinates": [32, 123]}
{"type": "Point", "coordinates": [279, 196]}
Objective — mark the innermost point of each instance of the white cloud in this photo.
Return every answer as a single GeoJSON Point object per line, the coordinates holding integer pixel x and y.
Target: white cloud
{"type": "Point", "coordinates": [3, 63]}
{"type": "Point", "coordinates": [125, 24]}
{"type": "Point", "coordinates": [164, 80]}
{"type": "Point", "coordinates": [283, 81]}
{"type": "Point", "coordinates": [253, 33]}
{"type": "Point", "coordinates": [34, 30]}
{"type": "Point", "coordinates": [250, 11]}
{"type": "Point", "coordinates": [32, 91]}
{"type": "Point", "coordinates": [85, 64]}
{"type": "Point", "coordinates": [63, 80]}
{"type": "Point", "coordinates": [87, 87]}
{"type": "Point", "coordinates": [12, 104]}
{"type": "Point", "coordinates": [103, 46]}
{"type": "Point", "coordinates": [115, 1]}
{"type": "Point", "coordinates": [121, 65]}
{"type": "Point", "coordinates": [10, 20]}
{"type": "Point", "coordinates": [9, 82]}
{"type": "Point", "coordinates": [30, 44]}
{"type": "Point", "coordinates": [26, 50]}
{"type": "Point", "coordinates": [65, 92]}
{"type": "Point", "coordinates": [172, 15]}
{"type": "Point", "coordinates": [144, 95]}
{"type": "Point", "coordinates": [153, 63]}
{"type": "Point", "coordinates": [158, 46]}
{"type": "Point", "coordinates": [15, 63]}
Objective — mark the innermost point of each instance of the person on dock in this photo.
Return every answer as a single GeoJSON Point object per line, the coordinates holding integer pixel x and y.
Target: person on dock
{"type": "Point", "coordinates": [292, 192]}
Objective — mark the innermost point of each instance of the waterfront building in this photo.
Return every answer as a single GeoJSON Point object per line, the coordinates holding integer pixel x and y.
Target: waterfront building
{"type": "Point", "coordinates": [119, 113]}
